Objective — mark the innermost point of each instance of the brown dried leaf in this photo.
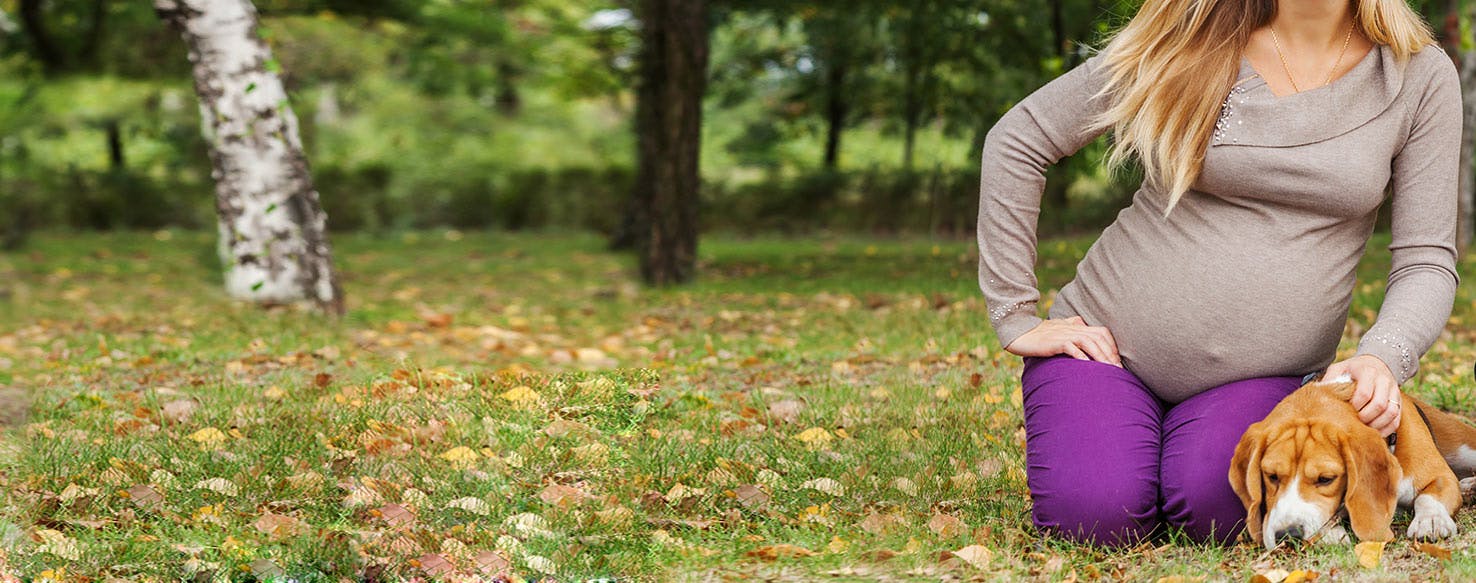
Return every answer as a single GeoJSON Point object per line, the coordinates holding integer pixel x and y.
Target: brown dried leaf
{"type": "Point", "coordinates": [752, 497]}
{"type": "Point", "coordinates": [433, 564]}
{"type": "Point", "coordinates": [279, 526]}
{"type": "Point", "coordinates": [146, 497]}
{"type": "Point", "coordinates": [786, 551]}
{"type": "Point", "coordinates": [946, 526]}
{"type": "Point", "coordinates": [1434, 550]}
{"type": "Point", "coordinates": [561, 495]}
{"type": "Point", "coordinates": [394, 515]}
{"type": "Point", "coordinates": [787, 410]}
{"type": "Point", "coordinates": [179, 411]}
{"type": "Point", "coordinates": [492, 563]}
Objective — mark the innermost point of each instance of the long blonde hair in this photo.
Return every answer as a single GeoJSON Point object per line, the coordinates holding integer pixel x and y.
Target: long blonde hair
{"type": "Point", "coordinates": [1173, 63]}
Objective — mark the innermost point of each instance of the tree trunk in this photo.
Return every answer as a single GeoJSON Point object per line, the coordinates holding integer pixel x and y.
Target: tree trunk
{"type": "Point", "coordinates": [117, 160]}
{"type": "Point", "coordinates": [273, 235]}
{"type": "Point", "coordinates": [673, 78]}
{"type": "Point", "coordinates": [911, 111]}
{"type": "Point", "coordinates": [33, 22]}
{"type": "Point", "coordinates": [836, 110]}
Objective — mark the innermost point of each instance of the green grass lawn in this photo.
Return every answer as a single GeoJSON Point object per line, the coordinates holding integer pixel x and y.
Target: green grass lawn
{"type": "Point", "coordinates": [811, 409]}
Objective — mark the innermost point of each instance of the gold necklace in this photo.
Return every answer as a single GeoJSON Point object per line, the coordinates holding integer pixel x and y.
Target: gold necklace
{"type": "Point", "coordinates": [1330, 72]}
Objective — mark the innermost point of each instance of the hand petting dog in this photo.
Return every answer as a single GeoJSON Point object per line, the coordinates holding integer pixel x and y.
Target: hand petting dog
{"type": "Point", "coordinates": [1377, 396]}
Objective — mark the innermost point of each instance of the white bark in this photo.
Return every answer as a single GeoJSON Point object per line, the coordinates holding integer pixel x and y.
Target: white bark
{"type": "Point", "coordinates": [273, 237]}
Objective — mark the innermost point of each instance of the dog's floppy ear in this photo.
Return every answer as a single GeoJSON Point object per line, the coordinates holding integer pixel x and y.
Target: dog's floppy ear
{"type": "Point", "coordinates": [1373, 476]}
{"type": "Point", "coordinates": [1245, 478]}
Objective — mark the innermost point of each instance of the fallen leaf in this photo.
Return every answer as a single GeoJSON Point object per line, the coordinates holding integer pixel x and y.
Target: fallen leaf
{"type": "Point", "coordinates": [179, 411]}
{"type": "Point", "coordinates": [433, 564]}
{"type": "Point", "coordinates": [751, 496]}
{"type": "Point", "coordinates": [785, 551]}
{"type": "Point", "coordinates": [492, 563]}
{"type": "Point", "coordinates": [815, 436]}
{"type": "Point", "coordinates": [220, 486]}
{"type": "Point", "coordinates": [146, 497]}
{"type": "Point", "coordinates": [946, 526]}
{"type": "Point", "coordinates": [394, 515]}
{"type": "Point", "coordinates": [1434, 550]}
{"type": "Point", "coordinates": [561, 495]}
{"type": "Point", "coordinates": [1300, 576]}
{"type": "Point", "coordinates": [1368, 553]}
{"type": "Point", "coordinates": [208, 436]}
{"type": "Point", "coordinates": [520, 395]}
{"type": "Point", "coordinates": [461, 456]}
{"type": "Point", "coordinates": [825, 486]}
{"type": "Point", "coordinates": [278, 526]}
{"type": "Point", "coordinates": [541, 564]}
{"type": "Point", "coordinates": [976, 556]}
{"type": "Point", "coordinates": [470, 504]}
{"type": "Point", "coordinates": [1272, 576]}
{"type": "Point", "coordinates": [53, 542]}
{"type": "Point", "coordinates": [787, 410]}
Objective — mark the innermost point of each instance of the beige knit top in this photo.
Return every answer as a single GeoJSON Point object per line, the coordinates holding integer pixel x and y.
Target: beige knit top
{"type": "Point", "coordinates": [1252, 273]}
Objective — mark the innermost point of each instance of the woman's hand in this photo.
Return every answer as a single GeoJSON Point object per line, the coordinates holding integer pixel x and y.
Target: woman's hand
{"type": "Point", "coordinates": [1067, 336]}
{"type": "Point", "coordinates": [1377, 396]}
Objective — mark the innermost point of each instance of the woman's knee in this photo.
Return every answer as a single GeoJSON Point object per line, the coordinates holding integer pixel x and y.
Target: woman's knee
{"type": "Point", "coordinates": [1102, 513]}
{"type": "Point", "coordinates": [1202, 505]}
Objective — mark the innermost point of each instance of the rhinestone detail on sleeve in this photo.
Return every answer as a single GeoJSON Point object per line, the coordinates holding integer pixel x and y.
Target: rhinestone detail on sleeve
{"type": "Point", "coordinates": [1406, 356]}
{"type": "Point", "coordinates": [999, 313]}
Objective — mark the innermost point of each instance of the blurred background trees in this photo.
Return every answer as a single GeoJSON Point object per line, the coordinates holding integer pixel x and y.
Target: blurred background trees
{"type": "Point", "coordinates": [521, 114]}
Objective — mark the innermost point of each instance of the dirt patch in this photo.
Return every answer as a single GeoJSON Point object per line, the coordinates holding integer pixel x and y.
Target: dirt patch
{"type": "Point", "coordinates": [14, 407]}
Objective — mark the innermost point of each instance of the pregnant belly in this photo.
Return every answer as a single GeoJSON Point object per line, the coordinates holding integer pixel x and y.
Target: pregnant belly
{"type": "Point", "coordinates": [1188, 327]}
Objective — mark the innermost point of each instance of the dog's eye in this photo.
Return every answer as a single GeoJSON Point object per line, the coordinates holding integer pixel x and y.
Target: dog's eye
{"type": "Point", "coordinates": [1274, 479]}
{"type": "Point", "coordinates": [1325, 480]}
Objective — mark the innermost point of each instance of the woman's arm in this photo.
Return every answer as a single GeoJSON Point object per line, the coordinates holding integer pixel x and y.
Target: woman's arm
{"type": "Point", "coordinates": [1046, 126]}
{"type": "Point", "coordinates": [1425, 179]}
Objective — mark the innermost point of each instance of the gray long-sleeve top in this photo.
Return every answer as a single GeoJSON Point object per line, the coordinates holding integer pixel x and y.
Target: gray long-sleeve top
{"type": "Point", "coordinates": [1253, 272]}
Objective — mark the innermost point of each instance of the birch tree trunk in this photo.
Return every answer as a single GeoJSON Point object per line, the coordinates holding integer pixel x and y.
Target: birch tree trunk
{"type": "Point", "coordinates": [273, 236]}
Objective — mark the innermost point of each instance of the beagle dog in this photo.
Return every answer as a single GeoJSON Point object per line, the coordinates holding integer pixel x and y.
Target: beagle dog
{"type": "Point", "coordinates": [1312, 456]}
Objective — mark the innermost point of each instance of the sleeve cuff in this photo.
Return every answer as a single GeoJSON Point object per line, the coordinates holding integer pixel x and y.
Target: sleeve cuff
{"type": "Point", "coordinates": [1015, 324]}
{"type": "Point", "coordinates": [1394, 351]}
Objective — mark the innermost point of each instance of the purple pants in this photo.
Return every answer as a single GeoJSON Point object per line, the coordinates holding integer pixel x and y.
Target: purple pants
{"type": "Point", "coordinates": [1108, 463]}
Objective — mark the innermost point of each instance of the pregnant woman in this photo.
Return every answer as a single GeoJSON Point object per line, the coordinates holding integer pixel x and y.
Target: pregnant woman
{"type": "Point", "coordinates": [1269, 132]}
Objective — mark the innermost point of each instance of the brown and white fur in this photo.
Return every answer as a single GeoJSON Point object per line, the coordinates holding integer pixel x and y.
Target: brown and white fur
{"type": "Point", "coordinates": [1312, 456]}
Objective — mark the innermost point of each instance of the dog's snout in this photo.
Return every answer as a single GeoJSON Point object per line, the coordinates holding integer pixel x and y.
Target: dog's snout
{"type": "Point", "coordinates": [1293, 532]}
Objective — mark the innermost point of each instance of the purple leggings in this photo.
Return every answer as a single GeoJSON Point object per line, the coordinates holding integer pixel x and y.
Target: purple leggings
{"type": "Point", "coordinates": [1107, 462]}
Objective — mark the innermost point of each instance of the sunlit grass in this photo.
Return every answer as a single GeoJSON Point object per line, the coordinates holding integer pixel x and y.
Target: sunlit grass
{"type": "Point", "coordinates": [524, 400]}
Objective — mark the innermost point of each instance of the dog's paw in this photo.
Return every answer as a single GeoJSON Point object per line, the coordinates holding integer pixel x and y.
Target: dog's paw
{"type": "Point", "coordinates": [1431, 521]}
{"type": "Point", "coordinates": [1333, 535]}
{"type": "Point", "coordinates": [1468, 485]}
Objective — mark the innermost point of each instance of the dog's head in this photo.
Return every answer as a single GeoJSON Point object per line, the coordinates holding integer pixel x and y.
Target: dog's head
{"type": "Point", "coordinates": [1308, 458]}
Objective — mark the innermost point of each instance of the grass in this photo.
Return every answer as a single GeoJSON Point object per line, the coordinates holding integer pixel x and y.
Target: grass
{"type": "Point", "coordinates": [516, 404]}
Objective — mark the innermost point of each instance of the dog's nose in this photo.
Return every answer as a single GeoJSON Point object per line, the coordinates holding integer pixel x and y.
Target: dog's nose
{"type": "Point", "coordinates": [1288, 533]}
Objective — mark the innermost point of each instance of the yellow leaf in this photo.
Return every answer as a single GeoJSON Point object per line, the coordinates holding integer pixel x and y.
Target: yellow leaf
{"type": "Point", "coordinates": [208, 436]}
{"type": "Point", "coordinates": [815, 436]}
{"type": "Point", "coordinates": [1368, 553]}
{"type": "Point", "coordinates": [521, 396]}
{"type": "Point", "coordinates": [1300, 576]}
{"type": "Point", "coordinates": [460, 455]}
